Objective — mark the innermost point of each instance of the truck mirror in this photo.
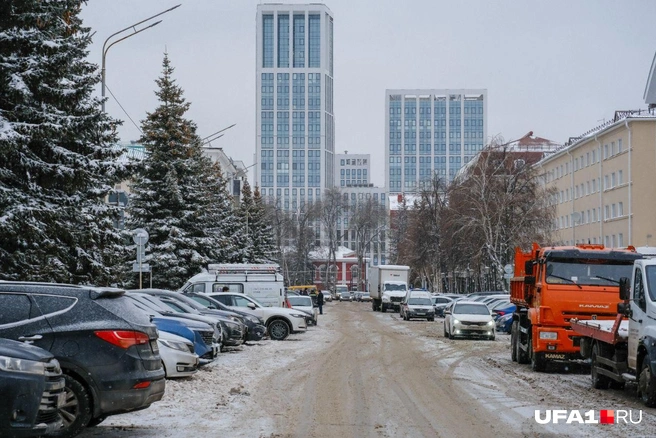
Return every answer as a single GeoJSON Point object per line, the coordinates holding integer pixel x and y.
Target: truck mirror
{"type": "Point", "coordinates": [624, 309]}
{"type": "Point", "coordinates": [529, 280]}
{"type": "Point", "coordinates": [528, 267]}
{"type": "Point", "coordinates": [625, 288]}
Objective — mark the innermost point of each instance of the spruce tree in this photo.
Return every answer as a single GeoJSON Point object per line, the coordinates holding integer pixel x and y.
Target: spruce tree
{"type": "Point", "coordinates": [263, 246]}
{"type": "Point", "coordinates": [178, 195]}
{"type": "Point", "coordinates": [56, 167]}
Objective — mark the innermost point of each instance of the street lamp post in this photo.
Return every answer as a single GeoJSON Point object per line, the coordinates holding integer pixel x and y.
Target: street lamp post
{"type": "Point", "coordinates": [106, 48]}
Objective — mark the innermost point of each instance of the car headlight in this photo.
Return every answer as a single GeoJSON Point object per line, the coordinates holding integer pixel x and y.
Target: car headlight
{"type": "Point", "coordinates": [233, 325]}
{"type": "Point", "coordinates": [386, 299]}
{"type": "Point", "coordinates": [254, 319]}
{"type": "Point", "coordinates": [299, 315]}
{"type": "Point", "coordinates": [490, 323]}
{"type": "Point", "coordinates": [455, 322]}
{"type": "Point", "coordinates": [15, 365]}
{"type": "Point", "coordinates": [175, 345]}
{"type": "Point", "coordinates": [552, 336]}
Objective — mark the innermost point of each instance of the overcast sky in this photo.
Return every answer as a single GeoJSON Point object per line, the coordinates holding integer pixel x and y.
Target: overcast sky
{"type": "Point", "coordinates": [555, 67]}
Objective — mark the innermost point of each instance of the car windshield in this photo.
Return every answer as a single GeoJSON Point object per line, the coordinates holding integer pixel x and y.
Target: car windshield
{"type": "Point", "coordinates": [587, 272]}
{"type": "Point", "coordinates": [300, 301]}
{"type": "Point", "coordinates": [395, 287]}
{"type": "Point", "coordinates": [471, 309]}
{"type": "Point", "coordinates": [419, 302]}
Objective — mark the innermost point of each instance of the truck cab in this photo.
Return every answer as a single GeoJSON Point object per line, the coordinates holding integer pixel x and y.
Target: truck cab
{"type": "Point", "coordinates": [642, 314]}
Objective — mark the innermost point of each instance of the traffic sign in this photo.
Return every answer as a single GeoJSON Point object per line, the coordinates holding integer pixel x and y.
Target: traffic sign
{"type": "Point", "coordinates": [507, 276]}
{"type": "Point", "coordinates": [508, 269]}
{"type": "Point", "coordinates": [140, 236]}
{"type": "Point", "coordinates": [145, 267]}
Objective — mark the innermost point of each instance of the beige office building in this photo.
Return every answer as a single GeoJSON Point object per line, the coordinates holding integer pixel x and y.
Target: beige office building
{"type": "Point", "coordinates": [605, 183]}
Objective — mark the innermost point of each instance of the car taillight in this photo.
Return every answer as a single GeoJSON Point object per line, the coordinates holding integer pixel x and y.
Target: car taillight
{"type": "Point", "coordinates": [141, 385]}
{"type": "Point", "coordinates": [123, 338]}
{"type": "Point", "coordinates": [500, 312]}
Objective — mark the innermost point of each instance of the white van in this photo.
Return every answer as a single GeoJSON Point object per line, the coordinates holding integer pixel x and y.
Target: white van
{"type": "Point", "coordinates": [262, 282]}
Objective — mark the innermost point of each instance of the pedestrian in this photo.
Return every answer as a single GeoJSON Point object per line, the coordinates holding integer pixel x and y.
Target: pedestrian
{"type": "Point", "coordinates": [225, 289]}
{"type": "Point", "coordinates": [320, 302]}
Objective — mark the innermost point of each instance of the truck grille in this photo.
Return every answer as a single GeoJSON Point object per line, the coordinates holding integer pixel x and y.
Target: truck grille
{"type": "Point", "coordinates": [473, 323]}
{"type": "Point", "coordinates": [396, 299]}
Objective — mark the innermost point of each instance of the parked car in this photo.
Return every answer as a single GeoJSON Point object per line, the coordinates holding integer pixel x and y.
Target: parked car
{"type": "Point", "coordinates": [234, 328]}
{"type": "Point", "coordinates": [439, 304]}
{"type": "Point", "coordinates": [205, 336]}
{"type": "Point", "coordinates": [305, 304]}
{"type": "Point", "coordinates": [344, 295]}
{"type": "Point", "coordinates": [255, 325]}
{"type": "Point", "coordinates": [357, 294]}
{"type": "Point", "coordinates": [417, 304]}
{"type": "Point", "coordinates": [32, 388]}
{"type": "Point", "coordinates": [178, 356]}
{"type": "Point", "coordinates": [279, 321]}
{"type": "Point", "coordinates": [365, 296]}
{"type": "Point", "coordinates": [504, 323]}
{"type": "Point", "coordinates": [327, 296]}
{"type": "Point", "coordinates": [107, 349]}
{"type": "Point", "coordinates": [468, 318]}
{"type": "Point", "coordinates": [503, 308]}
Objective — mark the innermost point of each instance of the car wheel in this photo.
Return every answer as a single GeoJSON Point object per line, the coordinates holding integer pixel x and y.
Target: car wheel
{"type": "Point", "coordinates": [646, 384]}
{"type": "Point", "coordinates": [76, 411]}
{"type": "Point", "coordinates": [278, 330]}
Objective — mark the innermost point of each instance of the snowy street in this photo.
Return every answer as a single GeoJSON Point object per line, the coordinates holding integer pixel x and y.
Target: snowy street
{"type": "Point", "coordinates": [365, 374]}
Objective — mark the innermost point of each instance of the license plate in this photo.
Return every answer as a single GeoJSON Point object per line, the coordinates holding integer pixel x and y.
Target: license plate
{"type": "Point", "coordinates": [154, 346]}
{"type": "Point", "coordinates": [420, 313]}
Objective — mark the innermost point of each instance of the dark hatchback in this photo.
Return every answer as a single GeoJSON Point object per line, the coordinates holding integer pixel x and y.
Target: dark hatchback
{"type": "Point", "coordinates": [107, 349]}
{"type": "Point", "coordinates": [32, 389]}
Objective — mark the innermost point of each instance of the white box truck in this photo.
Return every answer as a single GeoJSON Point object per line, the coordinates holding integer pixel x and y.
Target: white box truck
{"type": "Point", "coordinates": [262, 282]}
{"type": "Point", "coordinates": [388, 285]}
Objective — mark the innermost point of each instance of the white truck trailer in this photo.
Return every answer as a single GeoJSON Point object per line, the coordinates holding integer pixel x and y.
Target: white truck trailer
{"type": "Point", "coordinates": [388, 285]}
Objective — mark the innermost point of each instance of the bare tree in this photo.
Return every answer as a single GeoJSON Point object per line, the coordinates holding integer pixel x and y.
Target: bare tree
{"type": "Point", "coordinates": [368, 220]}
{"type": "Point", "coordinates": [330, 211]}
{"type": "Point", "coordinates": [398, 229]}
{"type": "Point", "coordinates": [425, 236]}
{"type": "Point", "coordinates": [499, 204]}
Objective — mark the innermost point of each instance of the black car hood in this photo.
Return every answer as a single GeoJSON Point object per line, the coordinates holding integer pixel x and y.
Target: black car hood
{"type": "Point", "coordinates": [21, 350]}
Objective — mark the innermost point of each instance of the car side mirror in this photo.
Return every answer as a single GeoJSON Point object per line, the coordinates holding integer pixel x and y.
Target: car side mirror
{"type": "Point", "coordinates": [625, 288]}
{"type": "Point", "coordinates": [251, 306]}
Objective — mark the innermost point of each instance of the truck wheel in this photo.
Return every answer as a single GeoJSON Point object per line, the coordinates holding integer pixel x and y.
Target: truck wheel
{"type": "Point", "coordinates": [537, 361]}
{"type": "Point", "coordinates": [383, 308]}
{"type": "Point", "coordinates": [513, 341]}
{"type": "Point", "coordinates": [646, 385]}
{"type": "Point", "coordinates": [599, 381]}
{"type": "Point", "coordinates": [278, 330]}
{"type": "Point", "coordinates": [522, 356]}
{"type": "Point", "coordinates": [76, 412]}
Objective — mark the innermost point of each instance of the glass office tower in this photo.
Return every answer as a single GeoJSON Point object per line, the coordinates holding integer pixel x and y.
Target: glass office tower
{"type": "Point", "coordinates": [295, 141]}
{"type": "Point", "coordinates": [431, 132]}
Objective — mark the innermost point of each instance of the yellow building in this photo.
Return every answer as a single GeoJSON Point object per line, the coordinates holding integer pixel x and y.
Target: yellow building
{"type": "Point", "coordinates": [605, 183]}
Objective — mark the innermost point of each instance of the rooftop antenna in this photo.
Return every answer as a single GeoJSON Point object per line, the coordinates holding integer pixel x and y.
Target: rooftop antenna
{"type": "Point", "coordinates": [650, 88]}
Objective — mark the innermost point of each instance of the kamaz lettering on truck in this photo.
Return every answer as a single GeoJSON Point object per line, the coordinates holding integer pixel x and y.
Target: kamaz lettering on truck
{"type": "Point", "coordinates": [554, 285]}
{"type": "Point", "coordinates": [388, 285]}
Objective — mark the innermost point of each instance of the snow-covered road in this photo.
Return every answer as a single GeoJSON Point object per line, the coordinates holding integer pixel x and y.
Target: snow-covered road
{"type": "Point", "coordinates": [360, 374]}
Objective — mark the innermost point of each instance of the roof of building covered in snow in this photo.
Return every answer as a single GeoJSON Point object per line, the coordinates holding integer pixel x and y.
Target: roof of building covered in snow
{"type": "Point", "coordinates": [341, 253]}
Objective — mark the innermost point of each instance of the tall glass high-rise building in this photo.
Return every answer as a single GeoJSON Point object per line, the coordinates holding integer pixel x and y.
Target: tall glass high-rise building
{"type": "Point", "coordinates": [431, 132]}
{"type": "Point", "coordinates": [295, 141]}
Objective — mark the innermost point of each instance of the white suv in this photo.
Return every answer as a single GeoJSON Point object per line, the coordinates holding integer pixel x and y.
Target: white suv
{"type": "Point", "coordinates": [280, 321]}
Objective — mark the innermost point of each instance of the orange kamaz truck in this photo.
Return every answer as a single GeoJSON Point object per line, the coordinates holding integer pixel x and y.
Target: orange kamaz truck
{"type": "Point", "coordinates": [553, 285]}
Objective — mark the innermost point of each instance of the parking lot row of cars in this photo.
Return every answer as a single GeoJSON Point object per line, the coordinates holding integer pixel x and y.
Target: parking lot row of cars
{"type": "Point", "coordinates": [70, 356]}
